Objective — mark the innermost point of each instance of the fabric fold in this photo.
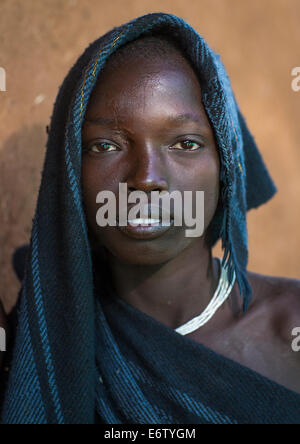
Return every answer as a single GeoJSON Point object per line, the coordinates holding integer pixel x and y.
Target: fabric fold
{"type": "Point", "coordinates": [179, 381]}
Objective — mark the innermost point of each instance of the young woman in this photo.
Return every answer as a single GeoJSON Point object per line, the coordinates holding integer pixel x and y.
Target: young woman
{"type": "Point", "coordinates": [104, 332]}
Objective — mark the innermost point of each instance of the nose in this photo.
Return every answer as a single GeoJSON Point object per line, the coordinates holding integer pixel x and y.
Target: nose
{"type": "Point", "coordinates": [147, 171]}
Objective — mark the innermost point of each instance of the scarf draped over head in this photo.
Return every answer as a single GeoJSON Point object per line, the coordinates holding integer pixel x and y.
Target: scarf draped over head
{"type": "Point", "coordinates": [63, 329]}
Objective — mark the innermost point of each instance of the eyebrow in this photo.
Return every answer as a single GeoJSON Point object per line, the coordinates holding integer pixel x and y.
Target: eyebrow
{"type": "Point", "coordinates": [170, 120]}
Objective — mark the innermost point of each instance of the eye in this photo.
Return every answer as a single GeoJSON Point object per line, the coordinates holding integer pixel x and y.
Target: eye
{"type": "Point", "coordinates": [187, 145]}
{"type": "Point", "coordinates": [99, 147]}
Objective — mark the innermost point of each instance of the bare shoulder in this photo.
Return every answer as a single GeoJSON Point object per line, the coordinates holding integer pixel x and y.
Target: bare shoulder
{"type": "Point", "coordinates": [274, 288]}
{"type": "Point", "coordinates": [280, 298]}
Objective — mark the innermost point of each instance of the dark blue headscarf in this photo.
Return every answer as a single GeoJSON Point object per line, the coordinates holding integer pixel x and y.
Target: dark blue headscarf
{"type": "Point", "coordinates": [65, 344]}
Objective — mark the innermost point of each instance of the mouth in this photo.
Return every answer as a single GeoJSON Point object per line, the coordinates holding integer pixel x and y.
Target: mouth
{"type": "Point", "coordinates": [145, 222]}
{"type": "Point", "coordinates": [152, 222]}
{"type": "Point", "coordinates": [145, 228]}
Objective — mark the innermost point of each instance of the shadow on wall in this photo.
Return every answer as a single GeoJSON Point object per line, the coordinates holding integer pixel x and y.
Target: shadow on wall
{"type": "Point", "coordinates": [21, 161]}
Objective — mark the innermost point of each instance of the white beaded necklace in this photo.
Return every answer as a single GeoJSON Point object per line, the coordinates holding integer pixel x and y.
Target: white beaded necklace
{"type": "Point", "coordinates": [221, 294]}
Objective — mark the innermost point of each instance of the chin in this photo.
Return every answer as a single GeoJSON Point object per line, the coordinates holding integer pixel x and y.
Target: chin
{"type": "Point", "coordinates": [144, 255]}
{"type": "Point", "coordinates": [144, 252]}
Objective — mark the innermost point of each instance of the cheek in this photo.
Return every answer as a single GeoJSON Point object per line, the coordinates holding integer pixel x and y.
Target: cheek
{"type": "Point", "coordinates": [89, 189]}
{"type": "Point", "coordinates": [98, 175]}
{"type": "Point", "coordinates": [212, 184]}
{"type": "Point", "coordinates": [93, 181]}
{"type": "Point", "coordinates": [206, 177]}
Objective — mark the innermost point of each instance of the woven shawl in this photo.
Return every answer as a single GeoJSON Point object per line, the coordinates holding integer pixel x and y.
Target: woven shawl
{"type": "Point", "coordinates": [75, 355]}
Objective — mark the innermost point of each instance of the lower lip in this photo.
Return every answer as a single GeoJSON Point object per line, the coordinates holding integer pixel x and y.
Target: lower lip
{"type": "Point", "coordinates": [145, 231]}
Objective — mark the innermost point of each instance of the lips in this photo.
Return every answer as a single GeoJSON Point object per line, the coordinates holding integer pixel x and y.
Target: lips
{"type": "Point", "coordinates": [145, 230]}
{"type": "Point", "coordinates": [145, 227]}
{"type": "Point", "coordinates": [144, 222]}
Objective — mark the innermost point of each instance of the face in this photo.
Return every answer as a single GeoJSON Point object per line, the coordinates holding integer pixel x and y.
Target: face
{"type": "Point", "coordinates": [146, 126]}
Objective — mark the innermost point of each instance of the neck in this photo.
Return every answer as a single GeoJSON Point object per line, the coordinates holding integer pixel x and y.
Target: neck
{"type": "Point", "coordinates": [172, 292]}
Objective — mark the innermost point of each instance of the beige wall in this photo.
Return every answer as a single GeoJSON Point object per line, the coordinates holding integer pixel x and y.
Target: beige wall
{"type": "Point", "coordinates": [259, 42]}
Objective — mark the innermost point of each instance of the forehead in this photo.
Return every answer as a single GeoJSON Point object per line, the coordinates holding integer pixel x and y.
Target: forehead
{"type": "Point", "coordinates": [145, 86]}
